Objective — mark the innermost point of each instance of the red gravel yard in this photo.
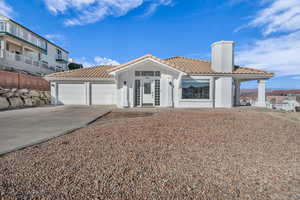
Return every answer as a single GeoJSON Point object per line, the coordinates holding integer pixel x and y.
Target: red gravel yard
{"type": "Point", "coordinates": [172, 154]}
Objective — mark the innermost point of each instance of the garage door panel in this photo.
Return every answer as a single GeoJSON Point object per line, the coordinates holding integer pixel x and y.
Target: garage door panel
{"type": "Point", "coordinates": [103, 94]}
{"type": "Point", "coordinates": [71, 94]}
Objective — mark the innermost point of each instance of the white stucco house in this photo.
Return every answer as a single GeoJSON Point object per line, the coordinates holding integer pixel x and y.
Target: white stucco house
{"type": "Point", "coordinates": [23, 50]}
{"type": "Point", "coordinates": [149, 81]}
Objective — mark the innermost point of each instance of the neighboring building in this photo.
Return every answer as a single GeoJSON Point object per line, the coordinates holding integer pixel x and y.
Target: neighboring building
{"type": "Point", "coordinates": [249, 96]}
{"type": "Point", "coordinates": [150, 81]}
{"type": "Point", "coordinates": [23, 50]}
{"type": "Point", "coordinates": [287, 103]}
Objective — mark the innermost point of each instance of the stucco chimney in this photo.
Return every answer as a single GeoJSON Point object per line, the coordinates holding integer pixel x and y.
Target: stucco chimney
{"type": "Point", "coordinates": [222, 56]}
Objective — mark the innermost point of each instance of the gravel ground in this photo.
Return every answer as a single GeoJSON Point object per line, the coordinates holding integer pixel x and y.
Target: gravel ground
{"type": "Point", "coordinates": [180, 154]}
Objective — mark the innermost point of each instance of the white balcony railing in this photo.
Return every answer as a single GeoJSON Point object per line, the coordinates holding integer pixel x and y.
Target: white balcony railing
{"type": "Point", "coordinates": [22, 33]}
{"type": "Point", "coordinates": [27, 63]}
{"type": "Point", "coordinates": [63, 58]}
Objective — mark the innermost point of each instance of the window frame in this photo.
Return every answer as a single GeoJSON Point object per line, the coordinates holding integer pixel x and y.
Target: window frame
{"type": "Point", "coordinates": [203, 79]}
{"type": "Point", "coordinates": [154, 74]}
{"type": "Point", "coordinates": [2, 26]}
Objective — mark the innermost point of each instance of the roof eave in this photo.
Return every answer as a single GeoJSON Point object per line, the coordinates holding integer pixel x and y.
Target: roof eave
{"type": "Point", "coordinates": [77, 79]}
{"type": "Point", "coordinates": [234, 75]}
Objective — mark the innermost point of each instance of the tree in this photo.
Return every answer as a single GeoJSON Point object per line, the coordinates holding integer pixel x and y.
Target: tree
{"type": "Point", "coordinates": [73, 66]}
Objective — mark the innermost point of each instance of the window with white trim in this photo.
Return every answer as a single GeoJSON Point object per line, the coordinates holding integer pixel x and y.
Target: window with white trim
{"type": "Point", "coordinates": [195, 89]}
{"type": "Point", "coordinates": [147, 73]}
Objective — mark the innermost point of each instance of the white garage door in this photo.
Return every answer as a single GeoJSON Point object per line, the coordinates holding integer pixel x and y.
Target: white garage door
{"type": "Point", "coordinates": [71, 94]}
{"type": "Point", "coordinates": [103, 94]}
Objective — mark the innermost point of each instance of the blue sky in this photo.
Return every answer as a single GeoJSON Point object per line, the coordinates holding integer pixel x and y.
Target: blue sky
{"type": "Point", "coordinates": [266, 32]}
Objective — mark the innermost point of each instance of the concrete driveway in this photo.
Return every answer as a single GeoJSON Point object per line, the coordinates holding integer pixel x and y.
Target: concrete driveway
{"type": "Point", "coordinates": [25, 127]}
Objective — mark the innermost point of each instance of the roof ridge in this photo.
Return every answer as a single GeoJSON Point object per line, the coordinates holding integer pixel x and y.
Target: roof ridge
{"type": "Point", "coordinates": [103, 66]}
{"type": "Point", "coordinates": [183, 57]}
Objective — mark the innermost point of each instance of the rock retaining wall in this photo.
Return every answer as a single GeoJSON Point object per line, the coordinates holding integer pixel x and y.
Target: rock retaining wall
{"type": "Point", "coordinates": [16, 98]}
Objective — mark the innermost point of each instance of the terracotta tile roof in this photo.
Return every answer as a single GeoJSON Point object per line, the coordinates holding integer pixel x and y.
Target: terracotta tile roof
{"type": "Point", "coordinates": [187, 65]}
{"type": "Point", "coordinates": [194, 66]}
{"type": "Point", "coordinates": [90, 72]}
{"type": "Point", "coordinates": [190, 65]}
{"type": "Point", "coordinates": [197, 66]}
{"type": "Point", "coordinates": [246, 70]}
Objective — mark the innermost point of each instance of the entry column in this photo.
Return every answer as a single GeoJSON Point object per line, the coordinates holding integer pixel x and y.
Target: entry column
{"type": "Point", "coordinates": [125, 103]}
{"type": "Point", "coordinates": [87, 93]}
{"type": "Point", "coordinates": [237, 92]}
{"type": "Point", "coordinates": [261, 98]}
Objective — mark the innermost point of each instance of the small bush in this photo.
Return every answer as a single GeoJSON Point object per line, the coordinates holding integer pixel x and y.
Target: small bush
{"type": "Point", "coordinates": [73, 66]}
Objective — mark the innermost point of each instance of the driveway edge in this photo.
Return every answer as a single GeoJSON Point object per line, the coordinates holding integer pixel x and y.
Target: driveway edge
{"type": "Point", "coordinates": [3, 153]}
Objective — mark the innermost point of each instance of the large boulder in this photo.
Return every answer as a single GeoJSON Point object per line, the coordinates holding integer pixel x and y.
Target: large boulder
{"type": "Point", "coordinates": [43, 96]}
{"type": "Point", "coordinates": [22, 91]}
{"type": "Point", "coordinates": [13, 98]}
{"type": "Point", "coordinates": [15, 102]}
{"type": "Point", "coordinates": [36, 101]}
{"type": "Point", "coordinates": [34, 93]}
{"type": "Point", "coordinates": [29, 102]}
{"type": "Point", "coordinates": [24, 96]}
{"type": "Point", "coordinates": [48, 94]}
{"type": "Point", "coordinates": [47, 101]}
{"type": "Point", "coordinates": [4, 104]}
{"type": "Point", "coordinates": [42, 102]}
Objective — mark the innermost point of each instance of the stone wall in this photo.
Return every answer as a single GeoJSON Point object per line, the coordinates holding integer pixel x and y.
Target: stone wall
{"type": "Point", "coordinates": [16, 98]}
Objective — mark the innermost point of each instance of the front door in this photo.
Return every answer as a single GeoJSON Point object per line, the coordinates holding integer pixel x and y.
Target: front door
{"type": "Point", "coordinates": [148, 93]}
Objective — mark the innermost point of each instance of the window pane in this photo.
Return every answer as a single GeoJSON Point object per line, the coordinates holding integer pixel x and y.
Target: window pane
{"type": "Point", "coordinates": [137, 73]}
{"type": "Point", "coordinates": [137, 92]}
{"type": "Point", "coordinates": [25, 35]}
{"type": "Point", "coordinates": [33, 39]}
{"type": "Point", "coordinates": [157, 92]}
{"type": "Point", "coordinates": [2, 26]}
{"type": "Point", "coordinates": [147, 73]}
{"type": "Point", "coordinates": [147, 88]}
{"type": "Point", "coordinates": [13, 29]}
{"type": "Point", "coordinates": [195, 89]}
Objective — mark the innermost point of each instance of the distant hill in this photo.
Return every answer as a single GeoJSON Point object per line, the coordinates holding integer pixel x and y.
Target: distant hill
{"type": "Point", "coordinates": [270, 92]}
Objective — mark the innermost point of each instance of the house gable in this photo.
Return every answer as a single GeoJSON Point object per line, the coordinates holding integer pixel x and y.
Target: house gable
{"type": "Point", "coordinates": [149, 61]}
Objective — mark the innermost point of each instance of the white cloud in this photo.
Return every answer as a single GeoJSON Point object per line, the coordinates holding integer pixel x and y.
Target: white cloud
{"type": "Point", "coordinates": [54, 37]}
{"type": "Point", "coordinates": [153, 7]}
{"type": "Point", "coordinates": [98, 60]}
{"type": "Point", "coordinates": [57, 6]}
{"type": "Point", "coordinates": [105, 61]}
{"type": "Point", "coordinates": [91, 11]}
{"type": "Point", "coordinates": [280, 52]}
{"type": "Point", "coordinates": [278, 16]}
{"type": "Point", "coordinates": [5, 9]}
{"type": "Point", "coordinates": [57, 39]}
